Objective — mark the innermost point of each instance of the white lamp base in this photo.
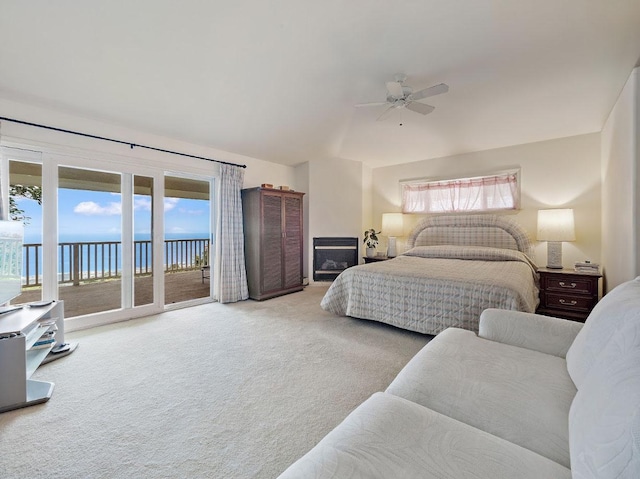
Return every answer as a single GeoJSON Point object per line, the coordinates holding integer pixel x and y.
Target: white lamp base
{"type": "Point", "coordinates": [391, 247]}
{"type": "Point", "coordinates": [554, 254]}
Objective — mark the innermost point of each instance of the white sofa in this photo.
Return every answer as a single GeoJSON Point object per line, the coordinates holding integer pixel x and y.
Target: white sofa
{"type": "Point", "coordinates": [528, 397]}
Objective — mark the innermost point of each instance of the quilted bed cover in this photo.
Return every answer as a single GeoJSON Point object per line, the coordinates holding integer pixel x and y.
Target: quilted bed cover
{"type": "Point", "coordinates": [431, 288]}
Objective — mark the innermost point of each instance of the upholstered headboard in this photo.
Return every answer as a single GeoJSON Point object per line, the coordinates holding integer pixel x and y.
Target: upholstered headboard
{"type": "Point", "coordinates": [471, 230]}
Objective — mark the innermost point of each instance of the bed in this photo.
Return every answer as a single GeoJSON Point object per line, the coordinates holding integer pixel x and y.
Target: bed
{"type": "Point", "coordinates": [454, 268]}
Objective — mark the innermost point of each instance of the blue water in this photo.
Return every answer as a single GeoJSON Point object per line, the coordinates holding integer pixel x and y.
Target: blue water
{"type": "Point", "coordinates": [89, 263]}
{"type": "Point", "coordinates": [78, 238]}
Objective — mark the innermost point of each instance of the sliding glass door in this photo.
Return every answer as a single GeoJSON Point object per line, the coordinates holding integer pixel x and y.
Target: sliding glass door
{"type": "Point", "coordinates": [143, 234]}
{"type": "Point", "coordinates": [187, 233]}
{"type": "Point", "coordinates": [109, 240]}
{"type": "Point", "coordinates": [89, 240]}
{"type": "Point", "coordinates": [25, 205]}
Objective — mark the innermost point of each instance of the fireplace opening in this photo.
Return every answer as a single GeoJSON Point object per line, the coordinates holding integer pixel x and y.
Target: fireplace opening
{"type": "Point", "coordinates": [331, 256]}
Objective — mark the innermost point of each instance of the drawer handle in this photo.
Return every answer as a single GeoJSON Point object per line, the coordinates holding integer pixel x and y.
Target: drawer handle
{"type": "Point", "coordinates": [565, 285]}
{"type": "Point", "coordinates": [570, 303]}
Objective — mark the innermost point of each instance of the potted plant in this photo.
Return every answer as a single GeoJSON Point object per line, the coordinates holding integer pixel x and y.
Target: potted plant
{"type": "Point", "coordinates": [371, 240]}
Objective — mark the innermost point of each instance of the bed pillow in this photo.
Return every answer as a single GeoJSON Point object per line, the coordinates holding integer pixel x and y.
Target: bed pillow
{"type": "Point", "coordinates": [480, 253]}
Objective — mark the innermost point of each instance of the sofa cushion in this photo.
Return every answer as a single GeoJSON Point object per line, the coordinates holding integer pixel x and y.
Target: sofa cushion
{"type": "Point", "coordinates": [619, 307]}
{"type": "Point", "coordinates": [527, 330]}
{"type": "Point", "coordinates": [604, 422]}
{"type": "Point", "coordinates": [389, 437]}
{"type": "Point", "coordinates": [518, 394]}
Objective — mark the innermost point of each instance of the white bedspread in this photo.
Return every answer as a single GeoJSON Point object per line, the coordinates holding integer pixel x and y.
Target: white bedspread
{"type": "Point", "coordinates": [431, 288]}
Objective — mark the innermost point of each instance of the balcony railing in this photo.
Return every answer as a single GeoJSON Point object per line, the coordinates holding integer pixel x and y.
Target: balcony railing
{"type": "Point", "coordinates": [100, 260]}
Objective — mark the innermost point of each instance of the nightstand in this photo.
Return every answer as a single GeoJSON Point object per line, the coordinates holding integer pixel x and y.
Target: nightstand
{"type": "Point", "coordinates": [374, 259]}
{"type": "Point", "coordinates": [567, 294]}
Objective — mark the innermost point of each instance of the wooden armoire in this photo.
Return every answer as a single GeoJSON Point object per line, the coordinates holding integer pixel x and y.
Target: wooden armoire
{"type": "Point", "coordinates": [272, 241]}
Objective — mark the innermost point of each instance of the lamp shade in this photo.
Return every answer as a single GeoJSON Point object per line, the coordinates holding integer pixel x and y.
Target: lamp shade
{"type": "Point", "coordinates": [392, 224]}
{"type": "Point", "coordinates": [556, 225]}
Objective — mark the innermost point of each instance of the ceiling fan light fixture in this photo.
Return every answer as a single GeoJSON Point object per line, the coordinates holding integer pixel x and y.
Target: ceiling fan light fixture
{"type": "Point", "coordinates": [400, 95]}
{"type": "Point", "coordinates": [400, 77]}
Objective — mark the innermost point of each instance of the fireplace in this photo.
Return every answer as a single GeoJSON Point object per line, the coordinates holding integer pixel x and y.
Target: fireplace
{"type": "Point", "coordinates": [331, 256]}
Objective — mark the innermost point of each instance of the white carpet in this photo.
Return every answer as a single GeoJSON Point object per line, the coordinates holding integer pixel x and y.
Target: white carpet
{"type": "Point", "coordinates": [215, 391]}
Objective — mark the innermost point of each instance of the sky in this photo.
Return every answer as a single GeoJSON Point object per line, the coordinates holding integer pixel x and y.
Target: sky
{"type": "Point", "coordinates": [92, 215]}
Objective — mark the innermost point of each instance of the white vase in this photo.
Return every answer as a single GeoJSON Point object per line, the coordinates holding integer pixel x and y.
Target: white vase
{"type": "Point", "coordinates": [371, 252]}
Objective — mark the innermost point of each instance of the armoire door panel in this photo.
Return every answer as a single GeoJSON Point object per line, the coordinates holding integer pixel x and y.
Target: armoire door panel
{"type": "Point", "coordinates": [292, 242]}
{"type": "Point", "coordinates": [272, 256]}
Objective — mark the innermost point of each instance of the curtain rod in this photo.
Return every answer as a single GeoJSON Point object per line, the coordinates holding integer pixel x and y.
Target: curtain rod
{"type": "Point", "coordinates": [132, 145]}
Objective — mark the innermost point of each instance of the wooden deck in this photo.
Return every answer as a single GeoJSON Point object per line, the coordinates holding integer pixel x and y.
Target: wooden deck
{"type": "Point", "coordinates": [96, 296]}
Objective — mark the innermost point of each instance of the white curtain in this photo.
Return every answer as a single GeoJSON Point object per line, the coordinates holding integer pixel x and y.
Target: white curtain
{"type": "Point", "coordinates": [2, 208]}
{"type": "Point", "coordinates": [475, 194]}
{"type": "Point", "coordinates": [232, 283]}
{"type": "Point", "coordinates": [4, 214]}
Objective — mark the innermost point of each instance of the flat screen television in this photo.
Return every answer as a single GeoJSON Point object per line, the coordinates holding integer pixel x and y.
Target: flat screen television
{"type": "Point", "coordinates": [11, 238]}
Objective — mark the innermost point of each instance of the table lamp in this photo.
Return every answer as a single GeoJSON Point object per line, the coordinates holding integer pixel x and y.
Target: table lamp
{"type": "Point", "coordinates": [392, 226]}
{"type": "Point", "coordinates": [554, 227]}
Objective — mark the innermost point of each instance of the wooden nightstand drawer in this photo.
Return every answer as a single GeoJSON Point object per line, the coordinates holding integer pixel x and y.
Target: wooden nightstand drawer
{"type": "Point", "coordinates": [569, 302]}
{"type": "Point", "coordinates": [374, 259]}
{"type": "Point", "coordinates": [571, 284]}
{"type": "Point", "coordinates": [567, 294]}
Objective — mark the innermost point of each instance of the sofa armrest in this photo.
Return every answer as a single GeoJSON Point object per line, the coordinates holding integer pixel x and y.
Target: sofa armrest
{"type": "Point", "coordinates": [527, 330]}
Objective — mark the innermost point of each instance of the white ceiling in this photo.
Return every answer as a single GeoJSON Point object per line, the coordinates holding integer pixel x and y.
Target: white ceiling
{"type": "Point", "coordinates": [277, 80]}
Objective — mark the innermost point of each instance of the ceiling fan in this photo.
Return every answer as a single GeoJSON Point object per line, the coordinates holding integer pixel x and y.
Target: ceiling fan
{"type": "Point", "coordinates": [400, 95]}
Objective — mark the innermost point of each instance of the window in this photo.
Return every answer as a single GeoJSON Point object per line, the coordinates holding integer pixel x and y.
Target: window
{"type": "Point", "coordinates": [94, 237]}
{"type": "Point", "coordinates": [482, 193]}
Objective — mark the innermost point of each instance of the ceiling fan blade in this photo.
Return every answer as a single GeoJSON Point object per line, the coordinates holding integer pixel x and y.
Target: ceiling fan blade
{"type": "Point", "coordinates": [431, 91]}
{"type": "Point", "coordinates": [386, 113]}
{"type": "Point", "coordinates": [420, 108]}
{"type": "Point", "coordinates": [377, 103]}
{"type": "Point", "coordinates": [395, 89]}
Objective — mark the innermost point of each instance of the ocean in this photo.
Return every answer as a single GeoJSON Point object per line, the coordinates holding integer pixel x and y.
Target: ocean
{"type": "Point", "coordinates": [102, 259]}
